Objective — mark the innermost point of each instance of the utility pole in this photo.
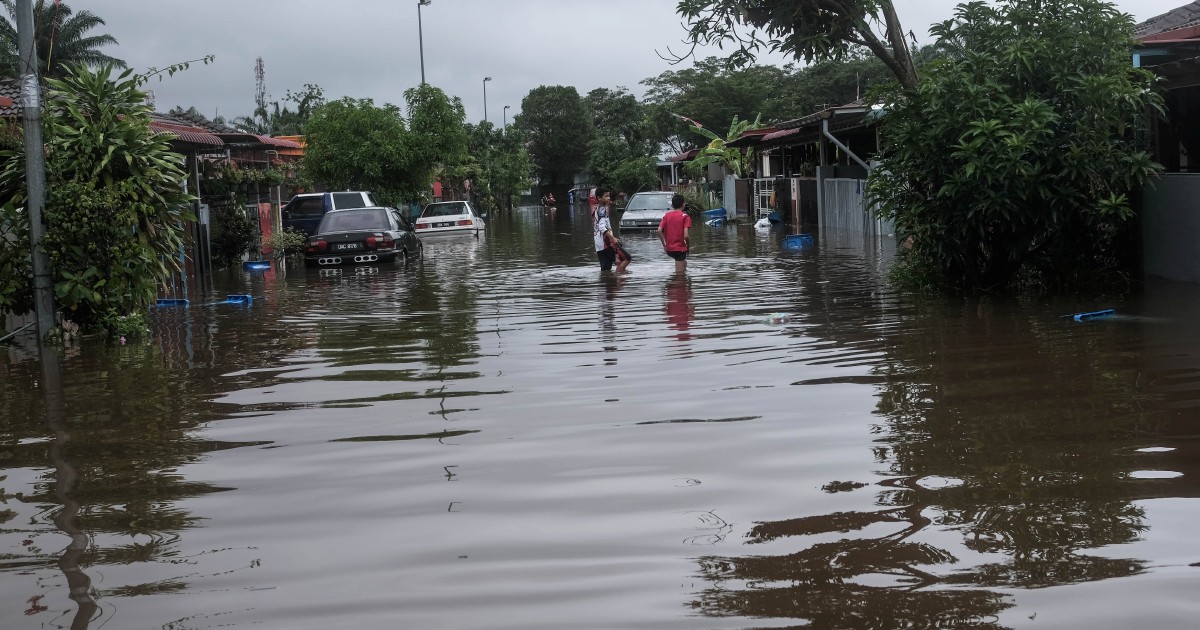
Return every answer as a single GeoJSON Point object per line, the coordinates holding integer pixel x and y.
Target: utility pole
{"type": "Point", "coordinates": [35, 169]}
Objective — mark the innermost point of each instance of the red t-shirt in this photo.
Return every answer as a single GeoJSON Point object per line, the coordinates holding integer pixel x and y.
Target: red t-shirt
{"type": "Point", "coordinates": [672, 225]}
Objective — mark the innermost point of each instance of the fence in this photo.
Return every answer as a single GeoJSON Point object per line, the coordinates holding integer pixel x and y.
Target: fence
{"type": "Point", "coordinates": [847, 208]}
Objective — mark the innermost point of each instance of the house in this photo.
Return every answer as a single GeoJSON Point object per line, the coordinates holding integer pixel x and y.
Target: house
{"type": "Point", "coordinates": [1169, 46]}
{"type": "Point", "coordinates": [814, 168]}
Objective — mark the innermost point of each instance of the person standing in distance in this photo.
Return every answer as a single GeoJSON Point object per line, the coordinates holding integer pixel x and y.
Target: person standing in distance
{"type": "Point", "coordinates": [604, 239]}
{"type": "Point", "coordinates": [673, 233]}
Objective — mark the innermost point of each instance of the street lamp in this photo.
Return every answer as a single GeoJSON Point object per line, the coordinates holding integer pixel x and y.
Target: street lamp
{"type": "Point", "coordinates": [505, 112]}
{"type": "Point", "coordinates": [421, 38]}
{"type": "Point", "coordinates": [485, 80]}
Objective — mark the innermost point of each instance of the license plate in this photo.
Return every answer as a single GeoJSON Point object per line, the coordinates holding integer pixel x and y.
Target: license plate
{"type": "Point", "coordinates": [446, 224]}
{"type": "Point", "coordinates": [341, 247]}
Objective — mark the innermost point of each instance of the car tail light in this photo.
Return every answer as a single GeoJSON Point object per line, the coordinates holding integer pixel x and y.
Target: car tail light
{"type": "Point", "coordinates": [422, 226]}
{"type": "Point", "coordinates": [463, 222]}
{"type": "Point", "coordinates": [387, 242]}
{"type": "Point", "coordinates": [319, 246]}
{"type": "Point", "coordinates": [371, 242]}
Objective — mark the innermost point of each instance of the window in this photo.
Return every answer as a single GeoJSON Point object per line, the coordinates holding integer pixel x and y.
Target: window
{"type": "Point", "coordinates": [348, 200]}
{"type": "Point", "coordinates": [307, 207]}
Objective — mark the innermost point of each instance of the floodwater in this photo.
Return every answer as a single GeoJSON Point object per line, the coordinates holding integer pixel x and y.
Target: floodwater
{"type": "Point", "coordinates": [502, 438]}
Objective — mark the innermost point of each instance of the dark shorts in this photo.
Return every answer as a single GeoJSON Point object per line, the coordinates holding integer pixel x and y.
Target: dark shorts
{"type": "Point", "coordinates": [607, 257]}
{"type": "Point", "coordinates": [678, 255]}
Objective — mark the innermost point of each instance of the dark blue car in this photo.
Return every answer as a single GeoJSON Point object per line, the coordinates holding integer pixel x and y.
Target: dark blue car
{"type": "Point", "coordinates": [304, 212]}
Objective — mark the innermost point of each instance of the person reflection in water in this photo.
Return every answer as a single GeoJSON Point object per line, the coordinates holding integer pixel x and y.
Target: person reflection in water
{"type": "Point", "coordinates": [680, 311]}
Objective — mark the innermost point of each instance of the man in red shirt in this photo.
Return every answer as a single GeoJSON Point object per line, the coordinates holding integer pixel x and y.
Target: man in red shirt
{"type": "Point", "coordinates": [673, 233]}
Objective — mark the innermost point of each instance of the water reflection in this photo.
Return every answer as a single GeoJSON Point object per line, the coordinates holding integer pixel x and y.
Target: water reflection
{"type": "Point", "coordinates": [678, 305]}
{"type": "Point", "coordinates": [830, 454]}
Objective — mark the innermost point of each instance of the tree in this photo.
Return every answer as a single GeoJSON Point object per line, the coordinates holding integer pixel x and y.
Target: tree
{"type": "Point", "coordinates": [622, 153]}
{"type": "Point", "coordinates": [114, 207]}
{"type": "Point", "coordinates": [1016, 155]}
{"type": "Point", "coordinates": [354, 144]}
{"type": "Point", "coordinates": [716, 152]}
{"type": "Point", "coordinates": [435, 126]}
{"type": "Point", "coordinates": [277, 120]}
{"type": "Point", "coordinates": [558, 129]}
{"type": "Point", "coordinates": [807, 30]}
{"type": "Point", "coordinates": [60, 40]}
{"type": "Point", "coordinates": [712, 94]}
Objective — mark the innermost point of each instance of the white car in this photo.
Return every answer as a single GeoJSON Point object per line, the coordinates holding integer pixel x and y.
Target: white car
{"type": "Point", "coordinates": [449, 217]}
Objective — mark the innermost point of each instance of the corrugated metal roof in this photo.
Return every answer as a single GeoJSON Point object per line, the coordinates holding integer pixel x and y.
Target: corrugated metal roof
{"type": "Point", "coordinates": [186, 133]}
{"type": "Point", "coordinates": [775, 135]}
{"type": "Point", "coordinates": [1175, 19]}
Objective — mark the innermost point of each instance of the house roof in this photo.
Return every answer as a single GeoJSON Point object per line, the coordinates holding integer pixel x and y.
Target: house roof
{"type": "Point", "coordinates": [187, 134]}
{"type": "Point", "coordinates": [685, 156]}
{"type": "Point", "coordinates": [750, 137]}
{"type": "Point", "coordinates": [1169, 24]}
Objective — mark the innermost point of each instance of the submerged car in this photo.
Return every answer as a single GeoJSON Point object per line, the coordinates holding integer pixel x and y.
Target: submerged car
{"type": "Point", "coordinates": [449, 217]}
{"type": "Point", "coordinates": [304, 211]}
{"type": "Point", "coordinates": [362, 236]}
{"type": "Point", "coordinates": [645, 210]}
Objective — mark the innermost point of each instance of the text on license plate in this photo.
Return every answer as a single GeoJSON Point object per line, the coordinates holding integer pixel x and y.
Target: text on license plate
{"type": "Point", "coordinates": [341, 247]}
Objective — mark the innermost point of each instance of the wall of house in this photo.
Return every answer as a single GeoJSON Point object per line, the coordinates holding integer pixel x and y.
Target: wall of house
{"type": "Point", "coordinates": [1171, 227]}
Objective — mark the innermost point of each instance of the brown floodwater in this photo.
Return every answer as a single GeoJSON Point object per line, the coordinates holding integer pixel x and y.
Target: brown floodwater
{"type": "Point", "coordinates": [503, 438]}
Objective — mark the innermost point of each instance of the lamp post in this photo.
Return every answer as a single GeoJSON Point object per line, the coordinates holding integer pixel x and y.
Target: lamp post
{"type": "Point", "coordinates": [421, 38]}
{"type": "Point", "coordinates": [505, 112]}
{"type": "Point", "coordinates": [485, 80]}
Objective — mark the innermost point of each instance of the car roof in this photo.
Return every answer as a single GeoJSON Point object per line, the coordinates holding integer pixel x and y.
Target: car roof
{"type": "Point", "coordinates": [358, 209]}
{"type": "Point", "coordinates": [654, 192]}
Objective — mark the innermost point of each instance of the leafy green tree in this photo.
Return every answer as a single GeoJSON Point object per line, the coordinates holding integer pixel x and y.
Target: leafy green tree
{"type": "Point", "coordinates": [114, 207]}
{"type": "Point", "coordinates": [354, 144]}
{"type": "Point", "coordinates": [498, 166]}
{"type": "Point", "coordinates": [60, 38]}
{"type": "Point", "coordinates": [556, 125]}
{"type": "Point", "coordinates": [711, 93]}
{"type": "Point", "coordinates": [1015, 157]}
{"type": "Point", "coordinates": [621, 155]}
{"type": "Point", "coordinates": [807, 30]}
{"type": "Point", "coordinates": [436, 130]}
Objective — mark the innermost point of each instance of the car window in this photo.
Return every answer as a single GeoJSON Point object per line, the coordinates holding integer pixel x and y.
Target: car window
{"type": "Point", "coordinates": [306, 207]}
{"type": "Point", "coordinates": [373, 219]}
{"type": "Point", "coordinates": [348, 200]}
{"type": "Point", "coordinates": [451, 209]}
{"type": "Point", "coordinates": [649, 202]}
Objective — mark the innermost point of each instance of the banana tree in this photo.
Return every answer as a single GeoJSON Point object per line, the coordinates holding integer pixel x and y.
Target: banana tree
{"type": "Point", "coordinates": [718, 151]}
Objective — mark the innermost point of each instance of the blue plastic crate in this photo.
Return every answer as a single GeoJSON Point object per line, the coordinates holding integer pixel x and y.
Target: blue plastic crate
{"type": "Point", "coordinates": [797, 241]}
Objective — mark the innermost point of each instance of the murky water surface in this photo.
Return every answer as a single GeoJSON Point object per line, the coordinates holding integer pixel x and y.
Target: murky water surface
{"type": "Point", "coordinates": [502, 438]}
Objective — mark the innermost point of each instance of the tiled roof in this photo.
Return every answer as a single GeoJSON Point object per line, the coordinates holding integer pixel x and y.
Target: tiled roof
{"type": "Point", "coordinates": [10, 89]}
{"type": "Point", "coordinates": [1173, 20]}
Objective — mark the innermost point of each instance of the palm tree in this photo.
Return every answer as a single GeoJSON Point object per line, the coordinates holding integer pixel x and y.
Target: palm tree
{"type": "Point", "coordinates": [61, 40]}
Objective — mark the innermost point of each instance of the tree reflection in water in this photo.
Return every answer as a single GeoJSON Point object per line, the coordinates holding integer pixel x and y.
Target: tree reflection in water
{"type": "Point", "coordinates": [1033, 426]}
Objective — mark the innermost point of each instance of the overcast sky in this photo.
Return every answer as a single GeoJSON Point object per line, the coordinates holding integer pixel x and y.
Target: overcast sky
{"type": "Point", "coordinates": [369, 48]}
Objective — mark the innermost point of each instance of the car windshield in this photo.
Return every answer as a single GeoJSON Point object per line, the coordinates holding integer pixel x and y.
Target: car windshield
{"type": "Point", "coordinates": [649, 202]}
{"type": "Point", "coordinates": [452, 209]}
{"type": "Point", "coordinates": [354, 220]}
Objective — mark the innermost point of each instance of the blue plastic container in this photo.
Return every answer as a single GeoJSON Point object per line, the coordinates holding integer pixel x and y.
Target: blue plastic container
{"type": "Point", "coordinates": [256, 265]}
{"type": "Point", "coordinates": [715, 213]}
{"type": "Point", "coordinates": [797, 241]}
{"type": "Point", "coordinates": [715, 222]}
{"type": "Point", "coordinates": [239, 299]}
{"type": "Point", "coordinates": [171, 302]}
